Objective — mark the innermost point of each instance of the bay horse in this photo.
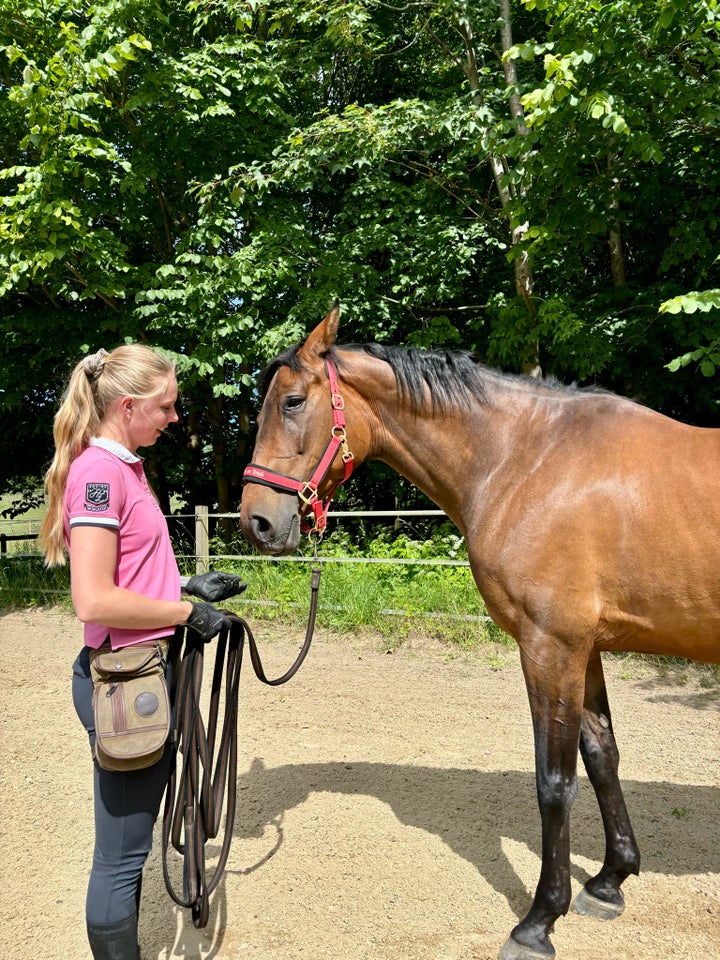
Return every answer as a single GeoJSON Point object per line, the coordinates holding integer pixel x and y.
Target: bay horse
{"type": "Point", "coordinates": [592, 524]}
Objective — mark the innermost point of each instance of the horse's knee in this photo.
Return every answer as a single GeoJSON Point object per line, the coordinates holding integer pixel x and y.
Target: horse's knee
{"type": "Point", "coordinates": [556, 791]}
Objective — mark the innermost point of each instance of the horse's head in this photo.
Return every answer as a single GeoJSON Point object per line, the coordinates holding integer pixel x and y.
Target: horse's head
{"type": "Point", "coordinates": [301, 454]}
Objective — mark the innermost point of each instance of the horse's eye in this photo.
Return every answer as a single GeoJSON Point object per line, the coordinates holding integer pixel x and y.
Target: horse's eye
{"type": "Point", "coordinates": [293, 403]}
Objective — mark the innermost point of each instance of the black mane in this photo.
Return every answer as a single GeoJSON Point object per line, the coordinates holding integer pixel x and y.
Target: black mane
{"type": "Point", "coordinates": [288, 358]}
{"type": "Point", "coordinates": [453, 377]}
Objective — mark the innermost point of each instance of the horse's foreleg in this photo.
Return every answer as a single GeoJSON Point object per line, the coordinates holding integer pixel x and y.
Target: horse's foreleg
{"type": "Point", "coordinates": [555, 689]}
{"type": "Point", "coordinates": [601, 896]}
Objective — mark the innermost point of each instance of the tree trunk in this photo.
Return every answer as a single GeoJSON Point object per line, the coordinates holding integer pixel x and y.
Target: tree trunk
{"type": "Point", "coordinates": [523, 267]}
{"type": "Point", "coordinates": [222, 480]}
{"type": "Point", "coordinates": [615, 244]}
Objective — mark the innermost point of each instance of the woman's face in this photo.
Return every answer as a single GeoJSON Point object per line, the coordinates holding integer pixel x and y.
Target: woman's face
{"type": "Point", "coordinates": [149, 418]}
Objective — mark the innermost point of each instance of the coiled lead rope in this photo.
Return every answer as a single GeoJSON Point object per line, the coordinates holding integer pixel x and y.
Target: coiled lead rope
{"type": "Point", "coordinates": [195, 797]}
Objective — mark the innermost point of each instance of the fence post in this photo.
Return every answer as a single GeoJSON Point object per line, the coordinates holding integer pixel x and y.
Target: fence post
{"type": "Point", "coordinates": [202, 540]}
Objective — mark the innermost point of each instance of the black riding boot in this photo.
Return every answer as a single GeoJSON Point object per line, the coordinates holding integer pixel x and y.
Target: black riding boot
{"type": "Point", "coordinates": [114, 941]}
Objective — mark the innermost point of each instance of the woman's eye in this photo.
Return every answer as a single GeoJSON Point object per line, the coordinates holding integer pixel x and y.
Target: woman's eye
{"type": "Point", "coordinates": [294, 403]}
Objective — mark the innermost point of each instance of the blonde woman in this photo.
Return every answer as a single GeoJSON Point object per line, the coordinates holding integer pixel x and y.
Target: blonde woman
{"type": "Point", "coordinates": [126, 588]}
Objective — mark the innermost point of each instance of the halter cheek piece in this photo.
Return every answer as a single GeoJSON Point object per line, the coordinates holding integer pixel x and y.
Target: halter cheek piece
{"type": "Point", "coordinates": [307, 490]}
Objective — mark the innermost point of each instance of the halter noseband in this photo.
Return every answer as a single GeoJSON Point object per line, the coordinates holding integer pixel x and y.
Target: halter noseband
{"type": "Point", "coordinates": [307, 490]}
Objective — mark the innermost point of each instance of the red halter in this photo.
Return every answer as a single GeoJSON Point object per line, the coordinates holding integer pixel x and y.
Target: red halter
{"type": "Point", "coordinates": [307, 490]}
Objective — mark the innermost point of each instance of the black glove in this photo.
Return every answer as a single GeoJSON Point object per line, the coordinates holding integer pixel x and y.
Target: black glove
{"type": "Point", "coordinates": [214, 586]}
{"type": "Point", "coordinates": [207, 620]}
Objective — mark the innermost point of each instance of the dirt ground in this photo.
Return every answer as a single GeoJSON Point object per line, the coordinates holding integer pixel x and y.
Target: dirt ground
{"type": "Point", "coordinates": [386, 810]}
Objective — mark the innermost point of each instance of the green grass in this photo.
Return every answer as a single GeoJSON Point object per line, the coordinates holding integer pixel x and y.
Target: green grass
{"type": "Point", "coordinates": [397, 602]}
{"type": "Point", "coordinates": [26, 582]}
{"type": "Point", "coordinates": [396, 599]}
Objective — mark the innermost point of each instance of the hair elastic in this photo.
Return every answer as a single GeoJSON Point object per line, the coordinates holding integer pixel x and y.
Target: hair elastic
{"type": "Point", "coordinates": [94, 364]}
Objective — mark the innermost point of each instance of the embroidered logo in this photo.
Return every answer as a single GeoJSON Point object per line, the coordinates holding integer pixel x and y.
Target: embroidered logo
{"type": "Point", "coordinates": [97, 496]}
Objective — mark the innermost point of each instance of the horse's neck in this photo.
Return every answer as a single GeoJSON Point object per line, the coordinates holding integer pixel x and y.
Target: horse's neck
{"type": "Point", "coordinates": [438, 452]}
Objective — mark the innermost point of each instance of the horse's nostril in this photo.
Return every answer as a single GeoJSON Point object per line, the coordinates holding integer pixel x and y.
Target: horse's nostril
{"type": "Point", "coordinates": [261, 525]}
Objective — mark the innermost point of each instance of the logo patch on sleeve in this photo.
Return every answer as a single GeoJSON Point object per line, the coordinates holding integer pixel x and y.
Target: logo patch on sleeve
{"type": "Point", "coordinates": [97, 496]}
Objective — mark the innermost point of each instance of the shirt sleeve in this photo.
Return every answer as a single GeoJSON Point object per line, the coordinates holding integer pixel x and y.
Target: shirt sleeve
{"type": "Point", "coordinates": [95, 494]}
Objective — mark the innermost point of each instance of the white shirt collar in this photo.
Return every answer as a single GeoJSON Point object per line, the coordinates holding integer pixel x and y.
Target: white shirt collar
{"type": "Point", "coordinates": [112, 446]}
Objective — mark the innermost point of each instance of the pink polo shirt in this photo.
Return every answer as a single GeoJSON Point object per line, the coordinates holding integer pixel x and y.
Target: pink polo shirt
{"type": "Point", "coordinates": [106, 487]}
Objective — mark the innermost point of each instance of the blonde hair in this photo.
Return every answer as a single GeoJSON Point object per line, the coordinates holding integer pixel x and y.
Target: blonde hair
{"type": "Point", "coordinates": [133, 370]}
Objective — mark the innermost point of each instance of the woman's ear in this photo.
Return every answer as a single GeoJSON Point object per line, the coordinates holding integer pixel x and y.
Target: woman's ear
{"type": "Point", "coordinates": [126, 406]}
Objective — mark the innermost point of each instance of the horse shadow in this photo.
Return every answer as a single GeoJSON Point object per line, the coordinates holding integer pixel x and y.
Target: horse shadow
{"type": "Point", "coordinates": [472, 812]}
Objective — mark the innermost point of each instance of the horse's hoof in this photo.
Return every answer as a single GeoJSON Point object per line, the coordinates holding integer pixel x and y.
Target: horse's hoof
{"type": "Point", "coordinates": [512, 950]}
{"type": "Point", "coordinates": [589, 906]}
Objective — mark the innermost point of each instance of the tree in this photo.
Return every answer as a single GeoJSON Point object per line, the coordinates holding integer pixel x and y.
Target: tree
{"type": "Point", "coordinates": [114, 112]}
{"type": "Point", "coordinates": [620, 130]}
{"type": "Point", "coordinates": [209, 176]}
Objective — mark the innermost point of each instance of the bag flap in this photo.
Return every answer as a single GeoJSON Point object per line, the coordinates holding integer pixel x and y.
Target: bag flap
{"type": "Point", "coordinates": [118, 663]}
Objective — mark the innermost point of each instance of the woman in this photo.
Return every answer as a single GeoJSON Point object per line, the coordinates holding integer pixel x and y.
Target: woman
{"type": "Point", "coordinates": [125, 588]}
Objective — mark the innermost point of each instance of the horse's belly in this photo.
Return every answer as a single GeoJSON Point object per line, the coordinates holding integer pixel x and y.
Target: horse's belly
{"type": "Point", "coordinates": [619, 601]}
{"type": "Point", "coordinates": [700, 645]}
{"type": "Point", "coordinates": [688, 628]}
{"type": "Point", "coordinates": [625, 563]}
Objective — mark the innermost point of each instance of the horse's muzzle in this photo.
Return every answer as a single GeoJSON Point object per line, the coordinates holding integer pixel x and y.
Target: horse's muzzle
{"type": "Point", "coordinates": [276, 535]}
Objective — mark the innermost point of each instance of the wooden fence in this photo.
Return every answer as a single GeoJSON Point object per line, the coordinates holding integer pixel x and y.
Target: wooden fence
{"type": "Point", "coordinates": [196, 531]}
{"type": "Point", "coordinates": [201, 522]}
{"type": "Point", "coordinates": [6, 538]}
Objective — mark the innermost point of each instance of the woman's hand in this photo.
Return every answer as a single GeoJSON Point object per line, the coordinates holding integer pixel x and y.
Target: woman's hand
{"type": "Point", "coordinates": [214, 586]}
{"type": "Point", "coordinates": [207, 621]}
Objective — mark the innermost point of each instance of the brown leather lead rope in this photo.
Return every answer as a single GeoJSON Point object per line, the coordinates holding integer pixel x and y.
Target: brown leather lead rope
{"type": "Point", "coordinates": [194, 800]}
{"type": "Point", "coordinates": [288, 675]}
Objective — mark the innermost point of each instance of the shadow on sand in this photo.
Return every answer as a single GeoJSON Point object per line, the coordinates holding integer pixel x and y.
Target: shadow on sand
{"type": "Point", "coordinates": [470, 811]}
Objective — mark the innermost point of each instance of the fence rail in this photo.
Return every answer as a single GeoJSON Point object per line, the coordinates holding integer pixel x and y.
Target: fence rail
{"type": "Point", "coordinates": [201, 521]}
{"type": "Point", "coordinates": [203, 556]}
{"type": "Point", "coordinates": [6, 538]}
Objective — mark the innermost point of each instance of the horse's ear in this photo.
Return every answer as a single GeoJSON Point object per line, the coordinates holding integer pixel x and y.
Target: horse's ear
{"type": "Point", "coordinates": [323, 336]}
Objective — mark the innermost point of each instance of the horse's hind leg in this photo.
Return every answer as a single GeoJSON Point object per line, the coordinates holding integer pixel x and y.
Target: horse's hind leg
{"type": "Point", "coordinates": [601, 896]}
